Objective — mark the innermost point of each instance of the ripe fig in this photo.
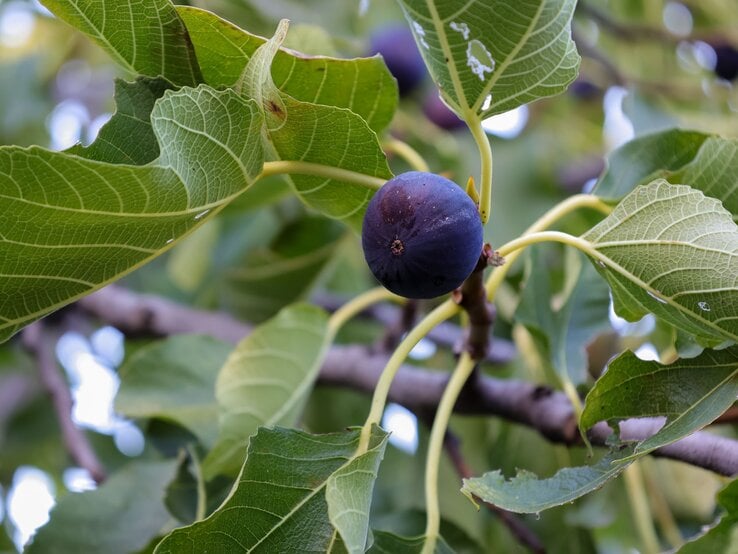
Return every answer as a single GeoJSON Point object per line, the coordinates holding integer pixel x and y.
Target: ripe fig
{"type": "Point", "coordinates": [439, 113]}
{"type": "Point", "coordinates": [422, 235]}
{"type": "Point", "coordinates": [726, 64]}
{"type": "Point", "coordinates": [397, 46]}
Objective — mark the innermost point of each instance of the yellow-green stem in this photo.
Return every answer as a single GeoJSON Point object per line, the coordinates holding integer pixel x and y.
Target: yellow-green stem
{"type": "Point", "coordinates": [407, 153]}
{"type": "Point", "coordinates": [283, 167]}
{"type": "Point", "coordinates": [485, 154]}
{"type": "Point", "coordinates": [556, 213]}
{"type": "Point", "coordinates": [435, 449]}
{"type": "Point", "coordinates": [201, 507]}
{"type": "Point", "coordinates": [659, 505]}
{"type": "Point", "coordinates": [640, 509]}
{"type": "Point", "coordinates": [381, 391]}
{"type": "Point", "coordinates": [359, 304]}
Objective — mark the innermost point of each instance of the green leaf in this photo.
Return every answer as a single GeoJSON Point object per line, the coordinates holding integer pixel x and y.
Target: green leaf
{"type": "Point", "coordinates": [147, 38]}
{"type": "Point", "coordinates": [128, 138]}
{"type": "Point", "coordinates": [71, 225]}
{"type": "Point", "coordinates": [704, 162]}
{"type": "Point", "coordinates": [670, 250]}
{"type": "Point", "coordinates": [564, 333]}
{"type": "Point", "coordinates": [488, 58]}
{"type": "Point", "coordinates": [325, 135]}
{"type": "Point", "coordinates": [713, 171]}
{"type": "Point", "coordinates": [279, 502]}
{"type": "Point", "coordinates": [266, 381]}
{"type": "Point", "coordinates": [122, 516]}
{"type": "Point", "coordinates": [174, 379]}
{"type": "Point", "coordinates": [362, 85]}
{"type": "Point", "coordinates": [645, 158]}
{"type": "Point", "coordinates": [723, 537]}
{"type": "Point", "coordinates": [526, 493]}
{"type": "Point", "coordinates": [284, 271]}
{"type": "Point", "coordinates": [689, 393]}
{"type": "Point", "coordinates": [389, 543]}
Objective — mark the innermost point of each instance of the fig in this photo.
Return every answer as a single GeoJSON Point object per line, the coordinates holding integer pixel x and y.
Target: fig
{"type": "Point", "coordinates": [726, 64]}
{"type": "Point", "coordinates": [422, 235]}
{"type": "Point", "coordinates": [439, 113]}
{"type": "Point", "coordinates": [400, 52]}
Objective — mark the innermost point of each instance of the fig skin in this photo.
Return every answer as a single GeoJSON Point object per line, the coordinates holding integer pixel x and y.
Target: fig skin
{"type": "Point", "coordinates": [397, 46]}
{"type": "Point", "coordinates": [422, 235]}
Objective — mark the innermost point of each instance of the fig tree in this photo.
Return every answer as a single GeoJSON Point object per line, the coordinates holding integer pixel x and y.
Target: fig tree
{"type": "Point", "coordinates": [422, 235]}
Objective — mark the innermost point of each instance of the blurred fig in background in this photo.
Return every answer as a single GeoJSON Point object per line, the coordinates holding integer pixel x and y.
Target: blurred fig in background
{"type": "Point", "coordinates": [726, 66]}
{"type": "Point", "coordinates": [439, 113]}
{"type": "Point", "coordinates": [397, 46]}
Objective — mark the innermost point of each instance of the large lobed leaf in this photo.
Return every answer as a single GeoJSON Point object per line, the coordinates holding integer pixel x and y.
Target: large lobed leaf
{"type": "Point", "coordinates": [266, 380]}
{"type": "Point", "coordinates": [489, 57]}
{"type": "Point", "coordinates": [362, 85]}
{"type": "Point", "coordinates": [670, 250]}
{"type": "Point", "coordinates": [146, 37]}
{"type": "Point", "coordinates": [325, 135]}
{"type": "Point", "coordinates": [279, 503]}
{"type": "Point", "coordinates": [70, 224]}
{"type": "Point", "coordinates": [688, 393]}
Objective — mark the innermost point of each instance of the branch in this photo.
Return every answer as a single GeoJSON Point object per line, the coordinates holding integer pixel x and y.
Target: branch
{"type": "Point", "coordinates": [41, 345]}
{"type": "Point", "coordinates": [357, 367]}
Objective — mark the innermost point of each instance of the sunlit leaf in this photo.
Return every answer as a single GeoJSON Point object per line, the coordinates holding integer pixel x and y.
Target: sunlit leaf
{"type": "Point", "coordinates": [688, 393]}
{"type": "Point", "coordinates": [129, 508]}
{"type": "Point", "coordinates": [279, 502]}
{"type": "Point", "coordinates": [174, 379]}
{"type": "Point", "coordinates": [146, 37]}
{"type": "Point", "coordinates": [491, 57]}
{"type": "Point", "coordinates": [362, 85]}
{"type": "Point", "coordinates": [670, 250]}
{"type": "Point", "coordinates": [526, 493]}
{"type": "Point", "coordinates": [326, 135]}
{"type": "Point", "coordinates": [69, 225]}
{"type": "Point", "coordinates": [266, 380]}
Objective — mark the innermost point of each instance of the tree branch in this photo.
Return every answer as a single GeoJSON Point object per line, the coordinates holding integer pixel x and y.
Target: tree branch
{"type": "Point", "coordinates": [357, 367]}
{"type": "Point", "coordinates": [41, 345]}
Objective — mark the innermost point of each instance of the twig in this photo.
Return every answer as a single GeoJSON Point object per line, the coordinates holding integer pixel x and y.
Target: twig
{"type": "Point", "coordinates": [541, 408]}
{"type": "Point", "coordinates": [472, 296]}
{"type": "Point", "coordinates": [41, 345]}
{"type": "Point", "coordinates": [516, 527]}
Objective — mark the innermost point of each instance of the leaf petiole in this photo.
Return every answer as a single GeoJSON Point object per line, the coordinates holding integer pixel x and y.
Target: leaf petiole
{"type": "Point", "coordinates": [285, 167]}
{"type": "Point", "coordinates": [459, 377]}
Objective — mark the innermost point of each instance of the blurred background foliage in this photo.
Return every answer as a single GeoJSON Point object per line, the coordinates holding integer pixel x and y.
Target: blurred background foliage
{"type": "Point", "coordinates": [647, 65]}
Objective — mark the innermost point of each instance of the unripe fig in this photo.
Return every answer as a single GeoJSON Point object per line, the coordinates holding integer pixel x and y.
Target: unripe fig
{"type": "Point", "coordinates": [397, 46]}
{"type": "Point", "coordinates": [422, 235]}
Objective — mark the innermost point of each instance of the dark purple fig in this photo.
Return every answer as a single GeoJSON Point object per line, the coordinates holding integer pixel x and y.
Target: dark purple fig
{"type": "Point", "coordinates": [439, 113]}
{"type": "Point", "coordinates": [397, 46]}
{"type": "Point", "coordinates": [726, 63]}
{"type": "Point", "coordinates": [422, 235]}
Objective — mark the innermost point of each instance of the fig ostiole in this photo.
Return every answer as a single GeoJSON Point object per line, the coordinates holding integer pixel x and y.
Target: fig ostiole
{"type": "Point", "coordinates": [422, 235]}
